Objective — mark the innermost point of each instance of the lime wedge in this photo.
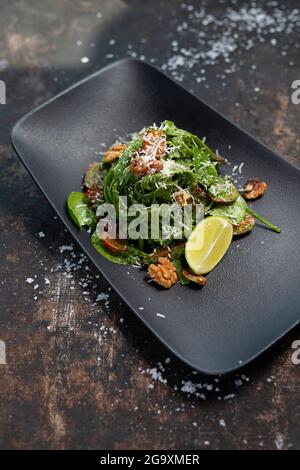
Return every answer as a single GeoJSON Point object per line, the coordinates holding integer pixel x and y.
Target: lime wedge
{"type": "Point", "coordinates": [208, 243]}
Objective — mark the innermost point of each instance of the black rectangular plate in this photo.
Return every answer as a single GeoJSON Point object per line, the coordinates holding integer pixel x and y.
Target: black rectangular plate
{"type": "Point", "coordinates": [252, 298]}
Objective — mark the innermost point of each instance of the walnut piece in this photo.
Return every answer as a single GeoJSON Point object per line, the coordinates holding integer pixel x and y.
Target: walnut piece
{"type": "Point", "coordinates": [183, 198]}
{"type": "Point", "coordinates": [140, 167]}
{"type": "Point", "coordinates": [254, 188]}
{"type": "Point", "coordinates": [201, 280]}
{"type": "Point", "coordinates": [176, 250]}
{"type": "Point", "coordinates": [146, 160]}
{"type": "Point", "coordinates": [114, 152]}
{"type": "Point", "coordinates": [163, 273]}
{"type": "Point", "coordinates": [156, 140]}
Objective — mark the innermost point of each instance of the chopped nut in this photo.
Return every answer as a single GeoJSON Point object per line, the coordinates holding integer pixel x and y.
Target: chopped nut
{"type": "Point", "coordinates": [183, 198]}
{"type": "Point", "coordinates": [245, 226]}
{"type": "Point", "coordinates": [156, 140]}
{"type": "Point", "coordinates": [254, 188]}
{"type": "Point", "coordinates": [94, 195]}
{"type": "Point", "coordinates": [163, 273]}
{"type": "Point", "coordinates": [176, 250]}
{"type": "Point", "coordinates": [162, 251]}
{"type": "Point", "coordinates": [201, 280]}
{"type": "Point", "coordinates": [146, 160]}
{"type": "Point", "coordinates": [114, 152]}
{"type": "Point", "coordinates": [140, 167]}
{"type": "Point", "coordinates": [199, 193]}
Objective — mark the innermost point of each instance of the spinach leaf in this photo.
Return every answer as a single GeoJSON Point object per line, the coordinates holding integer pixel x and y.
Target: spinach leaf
{"type": "Point", "coordinates": [205, 168]}
{"type": "Point", "coordinates": [235, 212]}
{"type": "Point", "coordinates": [129, 257]}
{"type": "Point", "coordinates": [79, 210]}
{"type": "Point", "coordinates": [263, 220]}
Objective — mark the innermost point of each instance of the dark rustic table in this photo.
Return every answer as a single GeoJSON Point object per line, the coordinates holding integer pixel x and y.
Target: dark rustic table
{"type": "Point", "coordinates": [81, 371]}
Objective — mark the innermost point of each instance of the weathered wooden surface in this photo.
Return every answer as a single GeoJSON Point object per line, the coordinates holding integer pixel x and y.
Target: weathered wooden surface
{"type": "Point", "coordinates": [78, 371]}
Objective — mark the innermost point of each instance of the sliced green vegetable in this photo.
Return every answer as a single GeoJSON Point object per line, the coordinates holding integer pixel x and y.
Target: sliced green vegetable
{"type": "Point", "coordinates": [223, 191]}
{"type": "Point", "coordinates": [245, 226]}
{"type": "Point", "coordinates": [92, 175]}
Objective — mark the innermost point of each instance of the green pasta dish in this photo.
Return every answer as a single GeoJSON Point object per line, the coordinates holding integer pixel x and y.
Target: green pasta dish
{"type": "Point", "coordinates": [160, 202]}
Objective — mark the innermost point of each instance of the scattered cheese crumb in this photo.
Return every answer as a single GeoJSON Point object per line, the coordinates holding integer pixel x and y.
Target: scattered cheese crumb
{"type": "Point", "coordinates": [160, 315]}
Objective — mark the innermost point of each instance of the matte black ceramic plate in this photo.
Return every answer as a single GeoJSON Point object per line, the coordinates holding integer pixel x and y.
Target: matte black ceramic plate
{"type": "Point", "coordinates": [252, 298]}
